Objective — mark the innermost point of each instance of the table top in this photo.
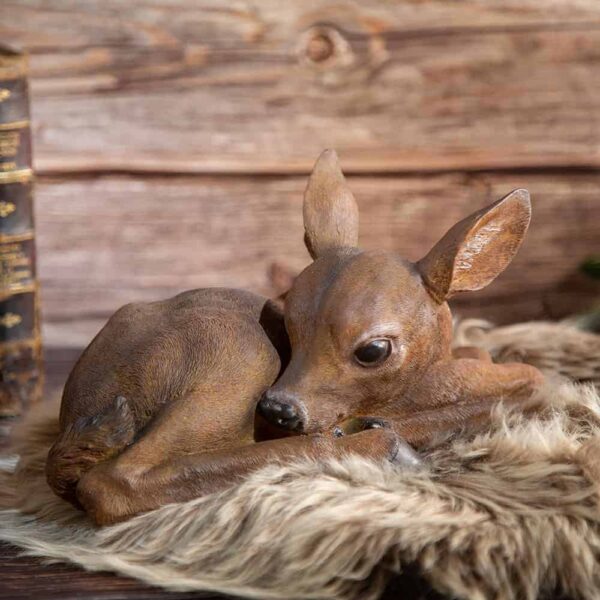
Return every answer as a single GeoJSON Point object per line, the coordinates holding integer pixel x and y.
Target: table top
{"type": "Point", "coordinates": [24, 578]}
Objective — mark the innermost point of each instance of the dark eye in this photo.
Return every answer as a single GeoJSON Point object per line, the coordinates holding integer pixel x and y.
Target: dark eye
{"type": "Point", "coordinates": [373, 352]}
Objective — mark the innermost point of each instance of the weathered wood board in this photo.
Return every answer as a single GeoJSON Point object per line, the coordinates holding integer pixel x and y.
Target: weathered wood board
{"type": "Point", "coordinates": [173, 137]}
{"type": "Point", "coordinates": [201, 86]}
{"type": "Point", "coordinates": [110, 240]}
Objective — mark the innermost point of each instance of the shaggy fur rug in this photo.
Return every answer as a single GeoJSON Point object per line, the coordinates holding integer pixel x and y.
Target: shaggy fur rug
{"type": "Point", "coordinates": [509, 513]}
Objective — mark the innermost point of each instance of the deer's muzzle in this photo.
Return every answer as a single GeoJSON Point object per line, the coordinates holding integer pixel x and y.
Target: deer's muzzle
{"type": "Point", "coordinates": [282, 410]}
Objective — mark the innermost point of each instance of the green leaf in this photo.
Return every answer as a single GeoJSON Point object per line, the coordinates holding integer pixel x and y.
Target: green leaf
{"type": "Point", "coordinates": [591, 267]}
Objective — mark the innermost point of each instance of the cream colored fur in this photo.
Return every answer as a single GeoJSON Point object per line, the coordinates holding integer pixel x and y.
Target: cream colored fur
{"type": "Point", "coordinates": [505, 514]}
{"type": "Point", "coordinates": [551, 347]}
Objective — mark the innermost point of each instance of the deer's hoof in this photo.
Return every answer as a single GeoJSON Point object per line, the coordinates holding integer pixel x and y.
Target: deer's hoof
{"type": "Point", "coordinates": [406, 456]}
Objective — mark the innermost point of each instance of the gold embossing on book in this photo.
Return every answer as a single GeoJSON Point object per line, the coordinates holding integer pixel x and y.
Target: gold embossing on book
{"type": "Point", "coordinates": [20, 347]}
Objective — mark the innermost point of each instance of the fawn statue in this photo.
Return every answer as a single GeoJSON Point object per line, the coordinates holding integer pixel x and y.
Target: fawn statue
{"type": "Point", "coordinates": [179, 398]}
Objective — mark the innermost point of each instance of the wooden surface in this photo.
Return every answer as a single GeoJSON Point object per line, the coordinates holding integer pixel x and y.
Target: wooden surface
{"type": "Point", "coordinates": [25, 578]}
{"type": "Point", "coordinates": [201, 86]}
{"type": "Point", "coordinates": [180, 232]}
{"type": "Point", "coordinates": [172, 139]}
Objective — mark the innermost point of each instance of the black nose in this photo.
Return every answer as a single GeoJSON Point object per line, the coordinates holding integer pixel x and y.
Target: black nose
{"type": "Point", "coordinates": [279, 409]}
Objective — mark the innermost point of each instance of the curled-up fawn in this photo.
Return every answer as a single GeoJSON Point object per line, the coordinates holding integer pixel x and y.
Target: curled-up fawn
{"type": "Point", "coordinates": [163, 405]}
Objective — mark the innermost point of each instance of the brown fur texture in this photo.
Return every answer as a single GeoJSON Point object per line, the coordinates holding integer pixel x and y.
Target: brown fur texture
{"type": "Point", "coordinates": [509, 513]}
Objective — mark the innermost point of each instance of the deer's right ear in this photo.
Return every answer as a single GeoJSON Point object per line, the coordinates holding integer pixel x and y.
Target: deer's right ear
{"type": "Point", "coordinates": [476, 250]}
{"type": "Point", "coordinates": [330, 211]}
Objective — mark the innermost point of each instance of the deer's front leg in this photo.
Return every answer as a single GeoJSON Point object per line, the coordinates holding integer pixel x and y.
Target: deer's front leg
{"type": "Point", "coordinates": [457, 394]}
{"type": "Point", "coordinates": [467, 381]}
{"type": "Point", "coordinates": [118, 489]}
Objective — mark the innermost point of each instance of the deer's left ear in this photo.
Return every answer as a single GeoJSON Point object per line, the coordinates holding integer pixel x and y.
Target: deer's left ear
{"type": "Point", "coordinates": [476, 250]}
{"type": "Point", "coordinates": [330, 211]}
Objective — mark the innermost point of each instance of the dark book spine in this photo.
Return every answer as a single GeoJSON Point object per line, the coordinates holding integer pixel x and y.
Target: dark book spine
{"type": "Point", "coordinates": [21, 370]}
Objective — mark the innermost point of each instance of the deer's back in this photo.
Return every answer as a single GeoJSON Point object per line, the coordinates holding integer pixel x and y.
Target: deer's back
{"type": "Point", "coordinates": [153, 353]}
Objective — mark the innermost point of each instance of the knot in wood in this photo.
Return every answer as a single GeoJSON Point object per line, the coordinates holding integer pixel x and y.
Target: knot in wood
{"type": "Point", "coordinates": [319, 48]}
{"type": "Point", "coordinates": [324, 46]}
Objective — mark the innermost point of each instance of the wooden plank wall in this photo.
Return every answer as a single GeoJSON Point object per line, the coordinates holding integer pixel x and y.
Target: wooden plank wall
{"type": "Point", "coordinates": [173, 139]}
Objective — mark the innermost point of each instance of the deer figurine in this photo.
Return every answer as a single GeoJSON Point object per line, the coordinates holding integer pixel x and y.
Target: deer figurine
{"type": "Point", "coordinates": [179, 398]}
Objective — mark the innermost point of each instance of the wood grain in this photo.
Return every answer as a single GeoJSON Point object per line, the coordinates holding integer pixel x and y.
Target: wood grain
{"type": "Point", "coordinates": [110, 240]}
{"type": "Point", "coordinates": [150, 119]}
{"type": "Point", "coordinates": [197, 86]}
{"type": "Point", "coordinates": [23, 578]}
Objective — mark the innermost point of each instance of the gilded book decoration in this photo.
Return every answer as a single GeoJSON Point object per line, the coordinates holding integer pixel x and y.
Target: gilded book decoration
{"type": "Point", "coordinates": [20, 348]}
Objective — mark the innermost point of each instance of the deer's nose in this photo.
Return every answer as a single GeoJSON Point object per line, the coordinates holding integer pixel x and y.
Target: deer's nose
{"type": "Point", "coordinates": [280, 409]}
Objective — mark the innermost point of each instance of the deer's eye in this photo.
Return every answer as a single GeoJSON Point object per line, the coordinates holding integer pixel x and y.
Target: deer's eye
{"type": "Point", "coordinates": [373, 352]}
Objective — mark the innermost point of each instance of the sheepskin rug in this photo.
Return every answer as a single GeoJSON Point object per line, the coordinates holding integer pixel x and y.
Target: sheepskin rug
{"type": "Point", "coordinates": [512, 512]}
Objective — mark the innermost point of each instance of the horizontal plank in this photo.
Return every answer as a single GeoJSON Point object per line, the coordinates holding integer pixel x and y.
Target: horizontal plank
{"type": "Point", "coordinates": [72, 24]}
{"type": "Point", "coordinates": [105, 241]}
{"type": "Point", "coordinates": [188, 86]}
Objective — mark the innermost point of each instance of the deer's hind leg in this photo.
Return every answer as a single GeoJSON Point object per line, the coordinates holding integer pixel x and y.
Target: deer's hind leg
{"type": "Point", "coordinates": [158, 469]}
{"type": "Point", "coordinates": [86, 442]}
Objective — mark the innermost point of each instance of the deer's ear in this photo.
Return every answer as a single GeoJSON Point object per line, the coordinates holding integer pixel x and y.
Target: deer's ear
{"type": "Point", "coordinates": [476, 250]}
{"type": "Point", "coordinates": [330, 211]}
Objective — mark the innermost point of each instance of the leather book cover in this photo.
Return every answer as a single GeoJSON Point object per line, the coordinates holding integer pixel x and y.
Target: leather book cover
{"type": "Point", "coordinates": [21, 371]}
